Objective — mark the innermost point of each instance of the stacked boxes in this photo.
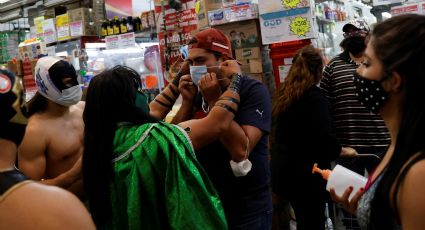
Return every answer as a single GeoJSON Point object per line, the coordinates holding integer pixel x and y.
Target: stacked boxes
{"type": "Point", "coordinates": [8, 43]}
{"type": "Point", "coordinates": [202, 7]}
{"type": "Point", "coordinates": [79, 22]}
{"type": "Point", "coordinates": [246, 43]}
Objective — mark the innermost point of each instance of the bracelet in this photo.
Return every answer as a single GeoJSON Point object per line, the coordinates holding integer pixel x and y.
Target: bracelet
{"type": "Point", "coordinates": [231, 99]}
{"type": "Point", "coordinates": [228, 108]}
{"type": "Point", "coordinates": [235, 83]}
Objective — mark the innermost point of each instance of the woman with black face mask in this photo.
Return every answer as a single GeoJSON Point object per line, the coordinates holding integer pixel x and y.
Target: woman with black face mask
{"type": "Point", "coordinates": [391, 82]}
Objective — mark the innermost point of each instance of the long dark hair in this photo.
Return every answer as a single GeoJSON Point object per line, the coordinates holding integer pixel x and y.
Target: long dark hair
{"type": "Point", "coordinates": [110, 100]}
{"type": "Point", "coordinates": [306, 71]}
{"type": "Point", "coordinates": [399, 43]}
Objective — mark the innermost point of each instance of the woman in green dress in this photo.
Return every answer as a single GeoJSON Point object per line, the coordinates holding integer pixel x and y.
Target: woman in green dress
{"type": "Point", "coordinates": [140, 173]}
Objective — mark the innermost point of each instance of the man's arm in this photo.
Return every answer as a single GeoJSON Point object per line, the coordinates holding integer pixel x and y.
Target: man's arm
{"type": "Point", "coordinates": [238, 139]}
{"type": "Point", "coordinates": [31, 152]}
{"type": "Point", "coordinates": [163, 103]}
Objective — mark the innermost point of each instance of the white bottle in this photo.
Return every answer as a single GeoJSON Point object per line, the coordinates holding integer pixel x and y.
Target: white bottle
{"type": "Point", "coordinates": [340, 178]}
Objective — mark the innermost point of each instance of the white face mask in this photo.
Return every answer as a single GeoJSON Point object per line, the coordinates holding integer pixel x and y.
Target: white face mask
{"type": "Point", "coordinates": [197, 72]}
{"type": "Point", "coordinates": [241, 168]}
{"type": "Point", "coordinates": [70, 96]}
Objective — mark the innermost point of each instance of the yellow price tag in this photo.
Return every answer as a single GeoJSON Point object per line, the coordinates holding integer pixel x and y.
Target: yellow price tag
{"type": "Point", "coordinates": [300, 26]}
{"type": "Point", "coordinates": [289, 4]}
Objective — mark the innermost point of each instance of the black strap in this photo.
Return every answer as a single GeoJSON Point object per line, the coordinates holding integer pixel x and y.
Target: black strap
{"type": "Point", "coordinates": [10, 178]}
{"type": "Point", "coordinates": [169, 99]}
{"type": "Point", "coordinates": [175, 93]}
{"type": "Point", "coordinates": [163, 104]}
{"type": "Point", "coordinates": [228, 108]}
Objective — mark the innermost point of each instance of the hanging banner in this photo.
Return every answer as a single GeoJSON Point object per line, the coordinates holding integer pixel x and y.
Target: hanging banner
{"type": "Point", "coordinates": [270, 6]}
{"type": "Point", "coordinates": [285, 20]}
{"type": "Point", "coordinates": [414, 8]}
{"type": "Point", "coordinates": [385, 2]}
{"type": "Point", "coordinates": [286, 26]}
{"type": "Point", "coordinates": [120, 8]}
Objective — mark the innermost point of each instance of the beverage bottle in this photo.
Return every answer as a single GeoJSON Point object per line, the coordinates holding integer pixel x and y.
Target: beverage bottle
{"type": "Point", "coordinates": [104, 29]}
{"type": "Point", "coordinates": [116, 25]}
{"type": "Point", "coordinates": [130, 24]}
{"type": "Point", "coordinates": [110, 27]}
{"type": "Point", "coordinates": [340, 178]}
{"type": "Point", "coordinates": [123, 25]}
{"type": "Point", "coordinates": [137, 24]}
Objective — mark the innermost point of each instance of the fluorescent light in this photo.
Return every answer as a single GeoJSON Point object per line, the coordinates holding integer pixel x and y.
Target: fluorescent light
{"type": "Point", "coordinates": [50, 3]}
{"type": "Point", "coordinates": [95, 45]}
{"type": "Point", "coordinates": [10, 15]}
{"type": "Point", "coordinates": [3, 1]}
{"type": "Point", "coordinates": [62, 54]}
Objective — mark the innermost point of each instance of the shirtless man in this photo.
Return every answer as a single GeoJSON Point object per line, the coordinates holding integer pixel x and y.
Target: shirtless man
{"type": "Point", "coordinates": [21, 201]}
{"type": "Point", "coordinates": [53, 141]}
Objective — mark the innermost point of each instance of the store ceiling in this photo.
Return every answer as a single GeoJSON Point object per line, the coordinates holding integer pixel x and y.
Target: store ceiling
{"type": "Point", "coordinates": [6, 5]}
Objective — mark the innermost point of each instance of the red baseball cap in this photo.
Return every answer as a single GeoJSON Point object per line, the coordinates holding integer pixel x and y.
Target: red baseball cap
{"type": "Point", "coordinates": [214, 40]}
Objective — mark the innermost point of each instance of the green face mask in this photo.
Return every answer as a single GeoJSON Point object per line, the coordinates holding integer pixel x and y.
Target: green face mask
{"type": "Point", "coordinates": [142, 101]}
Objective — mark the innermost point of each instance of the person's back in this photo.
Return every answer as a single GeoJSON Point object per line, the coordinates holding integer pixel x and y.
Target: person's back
{"type": "Point", "coordinates": [30, 205]}
{"type": "Point", "coordinates": [53, 140]}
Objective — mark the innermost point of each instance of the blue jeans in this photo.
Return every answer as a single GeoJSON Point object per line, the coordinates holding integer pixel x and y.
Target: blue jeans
{"type": "Point", "coordinates": [259, 222]}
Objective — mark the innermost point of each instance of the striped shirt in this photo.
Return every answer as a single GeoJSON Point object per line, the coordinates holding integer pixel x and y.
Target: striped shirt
{"type": "Point", "coordinates": [356, 126]}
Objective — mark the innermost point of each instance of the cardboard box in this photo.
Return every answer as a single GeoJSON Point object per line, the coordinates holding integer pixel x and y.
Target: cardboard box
{"type": "Point", "coordinates": [243, 34]}
{"type": "Point", "coordinates": [202, 7]}
{"type": "Point", "coordinates": [15, 67]}
{"type": "Point", "coordinates": [80, 14]}
{"type": "Point", "coordinates": [251, 65]}
{"type": "Point", "coordinates": [248, 53]}
{"type": "Point", "coordinates": [81, 28]}
{"type": "Point", "coordinates": [233, 14]}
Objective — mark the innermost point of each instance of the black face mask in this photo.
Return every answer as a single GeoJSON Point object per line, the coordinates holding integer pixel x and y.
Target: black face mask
{"type": "Point", "coordinates": [355, 45]}
{"type": "Point", "coordinates": [370, 93]}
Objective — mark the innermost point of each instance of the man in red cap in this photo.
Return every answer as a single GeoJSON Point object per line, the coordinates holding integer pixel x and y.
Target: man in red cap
{"type": "Point", "coordinates": [237, 163]}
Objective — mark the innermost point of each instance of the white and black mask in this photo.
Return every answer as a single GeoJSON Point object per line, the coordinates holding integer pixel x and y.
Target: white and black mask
{"type": "Point", "coordinates": [370, 92]}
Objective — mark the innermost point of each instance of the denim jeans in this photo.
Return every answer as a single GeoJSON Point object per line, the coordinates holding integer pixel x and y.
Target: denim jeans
{"type": "Point", "coordinates": [260, 222]}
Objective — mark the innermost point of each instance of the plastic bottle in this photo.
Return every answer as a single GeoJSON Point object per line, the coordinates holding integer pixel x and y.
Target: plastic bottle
{"type": "Point", "coordinates": [340, 178]}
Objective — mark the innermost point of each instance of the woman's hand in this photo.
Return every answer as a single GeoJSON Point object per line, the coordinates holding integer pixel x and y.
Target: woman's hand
{"type": "Point", "coordinates": [348, 152]}
{"type": "Point", "coordinates": [349, 205]}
